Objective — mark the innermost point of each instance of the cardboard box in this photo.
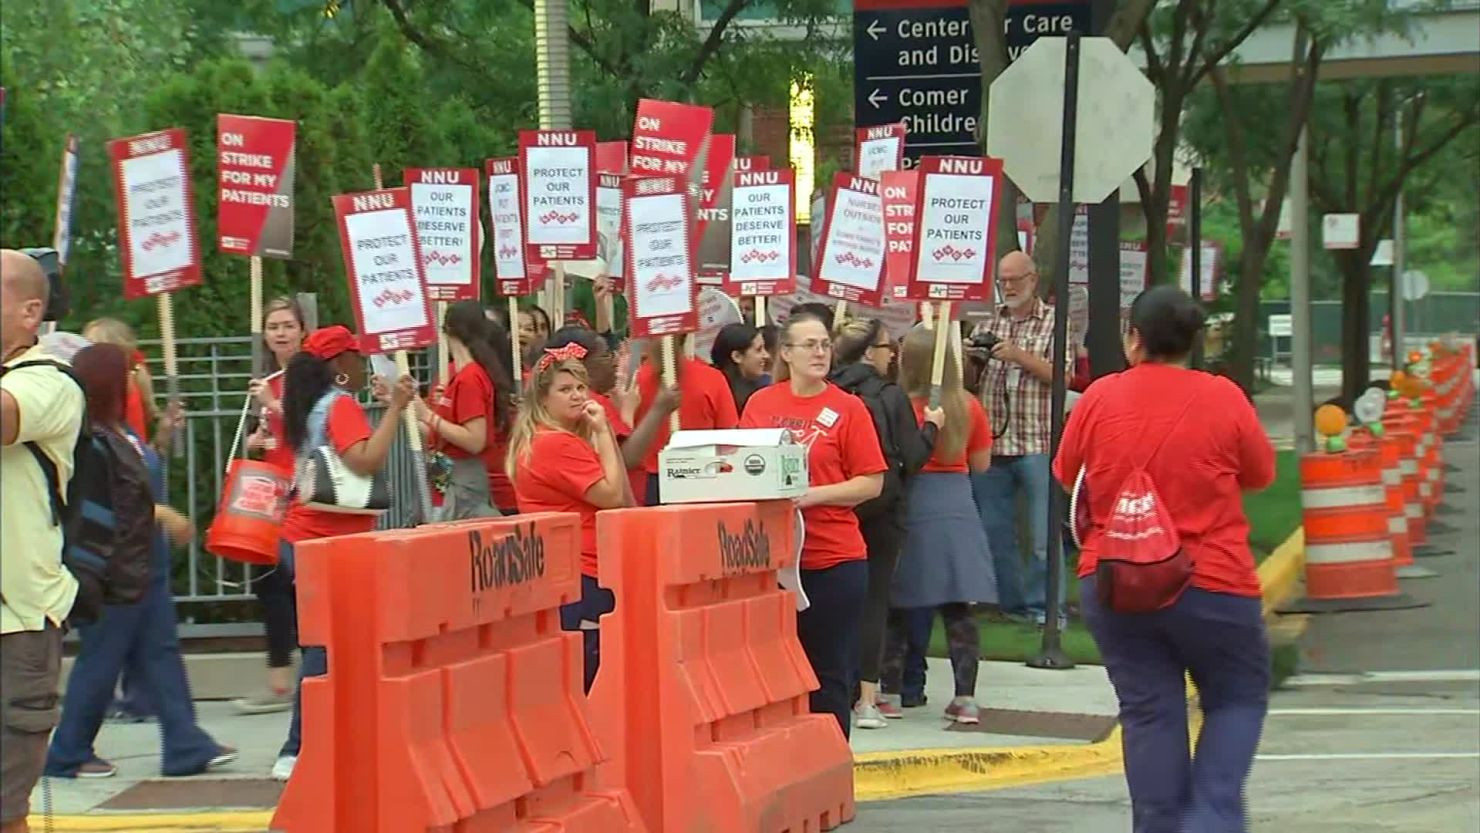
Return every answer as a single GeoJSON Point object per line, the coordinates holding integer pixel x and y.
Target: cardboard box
{"type": "Point", "coordinates": [734, 465]}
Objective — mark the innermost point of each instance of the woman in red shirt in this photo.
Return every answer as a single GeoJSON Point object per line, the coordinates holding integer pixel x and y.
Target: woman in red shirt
{"type": "Point", "coordinates": [846, 468]}
{"type": "Point", "coordinates": [1200, 441]}
{"type": "Point", "coordinates": [946, 564]}
{"type": "Point", "coordinates": [706, 403]}
{"type": "Point", "coordinates": [563, 457]}
{"type": "Point", "coordinates": [318, 409]}
{"type": "Point", "coordinates": [470, 422]}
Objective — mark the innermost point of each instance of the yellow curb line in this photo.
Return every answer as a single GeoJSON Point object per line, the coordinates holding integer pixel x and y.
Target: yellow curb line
{"type": "Point", "coordinates": [877, 776]}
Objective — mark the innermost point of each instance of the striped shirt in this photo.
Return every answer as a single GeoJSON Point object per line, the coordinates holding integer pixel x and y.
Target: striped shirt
{"type": "Point", "coordinates": [1019, 403]}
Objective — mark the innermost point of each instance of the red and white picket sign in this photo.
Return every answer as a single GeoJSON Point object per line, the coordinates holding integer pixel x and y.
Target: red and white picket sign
{"type": "Point", "coordinates": [513, 273]}
{"type": "Point", "coordinates": [609, 228]}
{"type": "Point", "coordinates": [660, 268]}
{"type": "Point", "coordinates": [445, 202]}
{"type": "Point", "coordinates": [668, 138]}
{"type": "Point", "coordinates": [850, 261]}
{"type": "Point", "coordinates": [900, 191]}
{"type": "Point", "coordinates": [558, 173]}
{"type": "Point", "coordinates": [611, 157]}
{"type": "Point", "coordinates": [763, 234]}
{"type": "Point", "coordinates": [745, 164]}
{"type": "Point", "coordinates": [382, 259]}
{"type": "Point", "coordinates": [1134, 271]}
{"type": "Point", "coordinates": [256, 160]}
{"type": "Point", "coordinates": [1210, 267]}
{"type": "Point", "coordinates": [879, 149]}
{"type": "Point", "coordinates": [61, 239]}
{"type": "Point", "coordinates": [156, 213]}
{"type": "Point", "coordinates": [955, 228]}
{"type": "Point", "coordinates": [713, 222]}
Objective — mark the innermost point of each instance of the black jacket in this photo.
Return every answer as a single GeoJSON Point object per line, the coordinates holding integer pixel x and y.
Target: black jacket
{"type": "Point", "coordinates": [908, 446]}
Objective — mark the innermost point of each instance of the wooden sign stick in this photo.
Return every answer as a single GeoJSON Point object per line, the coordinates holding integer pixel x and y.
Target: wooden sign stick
{"type": "Point", "coordinates": [938, 365]}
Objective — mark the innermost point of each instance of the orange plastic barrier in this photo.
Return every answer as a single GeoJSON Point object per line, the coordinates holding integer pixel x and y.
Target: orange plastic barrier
{"type": "Point", "coordinates": [1389, 450]}
{"type": "Point", "coordinates": [453, 700]}
{"type": "Point", "coordinates": [1348, 552]}
{"type": "Point", "coordinates": [702, 693]}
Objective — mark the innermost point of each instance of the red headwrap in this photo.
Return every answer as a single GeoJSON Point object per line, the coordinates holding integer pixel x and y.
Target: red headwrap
{"type": "Point", "coordinates": [329, 342]}
{"type": "Point", "coordinates": [559, 354]}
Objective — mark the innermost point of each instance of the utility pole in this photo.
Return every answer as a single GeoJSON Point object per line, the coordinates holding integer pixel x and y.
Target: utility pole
{"type": "Point", "coordinates": [1396, 315]}
{"type": "Point", "coordinates": [1300, 347]}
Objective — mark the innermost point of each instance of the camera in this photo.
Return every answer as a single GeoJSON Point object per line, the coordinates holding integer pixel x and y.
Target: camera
{"type": "Point", "coordinates": [984, 341]}
{"type": "Point", "coordinates": [56, 294]}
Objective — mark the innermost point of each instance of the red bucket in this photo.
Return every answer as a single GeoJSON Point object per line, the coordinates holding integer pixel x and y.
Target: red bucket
{"type": "Point", "coordinates": [249, 521]}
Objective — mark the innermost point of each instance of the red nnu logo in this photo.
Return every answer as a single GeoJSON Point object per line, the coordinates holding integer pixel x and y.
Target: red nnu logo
{"type": "Point", "coordinates": [440, 259]}
{"type": "Point", "coordinates": [664, 282]}
{"type": "Point", "coordinates": [850, 259]}
{"type": "Point", "coordinates": [558, 218]}
{"type": "Point", "coordinates": [757, 255]}
{"type": "Point", "coordinates": [156, 240]}
{"type": "Point", "coordinates": [393, 297]}
{"type": "Point", "coordinates": [507, 251]}
{"type": "Point", "coordinates": [953, 253]}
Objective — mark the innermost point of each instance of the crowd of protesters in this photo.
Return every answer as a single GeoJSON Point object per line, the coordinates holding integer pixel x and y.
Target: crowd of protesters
{"type": "Point", "coordinates": [912, 511]}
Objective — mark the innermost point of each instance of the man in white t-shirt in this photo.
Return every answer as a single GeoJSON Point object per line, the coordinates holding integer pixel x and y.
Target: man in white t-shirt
{"type": "Point", "coordinates": [39, 406]}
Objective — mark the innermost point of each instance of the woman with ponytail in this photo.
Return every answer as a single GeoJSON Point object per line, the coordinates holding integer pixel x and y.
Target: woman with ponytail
{"type": "Point", "coordinates": [470, 420]}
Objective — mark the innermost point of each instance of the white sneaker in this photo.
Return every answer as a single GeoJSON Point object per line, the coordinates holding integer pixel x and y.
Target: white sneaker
{"type": "Point", "coordinates": [868, 716]}
{"type": "Point", "coordinates": [282, 769]}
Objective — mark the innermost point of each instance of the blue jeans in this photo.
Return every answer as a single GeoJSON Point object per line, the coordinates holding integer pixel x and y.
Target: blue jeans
{"type": "Point", "coordinates": [142, 638]}
{"type": "Point", "coordinates": [315, 662]}
{"type": "Point", "coordinates": [1219, 639]}
{"type": "Point", "coordinates": [996, 491]}
{"type": "Point", "coordinates": [596, 601]}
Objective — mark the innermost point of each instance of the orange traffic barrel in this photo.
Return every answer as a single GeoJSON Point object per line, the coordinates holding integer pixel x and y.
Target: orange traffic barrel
{"type": "Point", "coordinates": [1433, 452]}
{"type": "Point", "coordinates": [1348, 548]}
{"type": "Point", "coordinates": [1402, 434]}
{"type": "Point", "coordinates": [1390, 451]}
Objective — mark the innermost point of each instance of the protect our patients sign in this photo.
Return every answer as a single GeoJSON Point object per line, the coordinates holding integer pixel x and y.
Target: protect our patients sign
{"type": "Point", "coordinates": [156, 214]}
{"type": "Point", "coordinates": [762, 234]}
{"type": "Point", "coordinates": [445, 201]}
{"type": "Point", "coordinates": [850, 263]}
{"type": "Point", "coordinates": [559, 170]}
{"type": "Point", "coordinates": [256, 160]}
{"type": "Point", "coordinates": [660, 265]}
{"type": "Point", "coordinates": [955, 228]}
{"type": "Point", "coordinates": [383, 260]}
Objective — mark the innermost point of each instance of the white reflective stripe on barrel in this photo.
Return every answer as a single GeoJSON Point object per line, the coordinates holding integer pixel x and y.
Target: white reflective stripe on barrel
{"type": "Point", "coordinates": [1348, 552]}
{"type": "Point", "coordinates": [1408, 467]}
{"type": "Point", "coordinates": [1413, 510]}
{"type": "Point", "coordinates": [1392, 477]}
{"type": "Point", "coordinates": [1341, 497]}
{"type": "Point", "coordinates": [1397, 525]}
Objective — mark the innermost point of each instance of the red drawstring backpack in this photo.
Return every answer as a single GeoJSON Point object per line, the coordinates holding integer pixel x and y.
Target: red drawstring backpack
{"type": "Point", "coordinates": [1142, 566]}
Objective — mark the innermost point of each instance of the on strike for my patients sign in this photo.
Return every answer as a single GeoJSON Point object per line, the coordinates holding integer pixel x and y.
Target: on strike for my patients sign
{"type": "Point", "coordinates": [257, 162]}
{"type": "Point", "coordinates": [660, 268]}
{"type": "Point", "coordinates": [763, 235]}
{"type": "Point", "coordinates": [851, 258]}
{"type": "Point", "coordinates": [954, 229]}
{"type": "Point", "coordinates": [559, 169]}
{"type": "Point", "coordinates": [383, 261]}
{"type": "Point", "coordinates": [445, 201]}
{"type": "Point", "coordinates": [156, 215]}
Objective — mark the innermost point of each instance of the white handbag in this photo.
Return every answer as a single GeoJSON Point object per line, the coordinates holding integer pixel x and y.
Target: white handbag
{"type": "Point", "coordinates": [325, 483]}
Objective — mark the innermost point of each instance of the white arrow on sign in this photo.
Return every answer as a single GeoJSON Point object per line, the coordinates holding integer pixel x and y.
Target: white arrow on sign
{"type": "Point", "coordinates": [1114, 125]}
{"type": "Point", "coordinates": [875, 33]}
{"type": "Point", "coordinates": [877, 101]}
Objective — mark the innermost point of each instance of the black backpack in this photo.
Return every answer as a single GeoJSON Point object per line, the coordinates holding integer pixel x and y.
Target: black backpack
{"type": "Point", "coordinates": [106, 515]}
{"type": "Point", "coordinates": [871, 390]}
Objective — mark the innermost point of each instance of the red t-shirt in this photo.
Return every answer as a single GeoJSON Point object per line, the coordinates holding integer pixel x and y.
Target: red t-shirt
{"type": "Point", "coordinates": [469, 396]}
{"type": "Point", "coordinates": [1217, 450]}
{"type": "Point", "coordinates": [280, 454]}
{"type": "Point", "coordinates": [555, 476]}
{"type": "Point", "coordinates": [346, 426]}
{"type": "Point", "coordinates": [842, 444]}
{"type": "Point", "coordinates": [637, 478]}
{"type": "Point", "coordinates": [705, 402]}
{"type": "Point", "coordinates": [979, 437]}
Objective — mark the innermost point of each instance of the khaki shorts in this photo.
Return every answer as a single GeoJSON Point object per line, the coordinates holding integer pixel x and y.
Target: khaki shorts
{"type": "Point", "coordinates": [30, 665]}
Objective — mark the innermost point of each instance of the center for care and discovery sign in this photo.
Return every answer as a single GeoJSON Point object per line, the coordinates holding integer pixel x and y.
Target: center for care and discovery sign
{"type": "Point", "coordinates": [559, 170]}
{"type": "Point", "coordinates": [660, 264]}
{"type": "Point", "coordinates": [383, 260]}
{"type": "Point", "coordinates": [955, 232]}
{"type": "Point", "coordinates": [763, 253]}
{"type": "Point", "coordinates": [445, 201]}
{"type": "Point", "coordinates": [850, 262]}
{"type": "Point", "coordinates": [256, 158]}
{"type": "Point", "coordinates": [156, 215]}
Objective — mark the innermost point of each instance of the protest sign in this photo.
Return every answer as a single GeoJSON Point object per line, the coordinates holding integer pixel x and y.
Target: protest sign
{"type": "Point", "coordinates": [609, 228]}
{"type": "Point", "coordinates": [955, 228]}
{"type": "Point", "coordinates": [900, 191]}
{"type": "Point", "coordinates": [1134, 264]}
{"type": "Point", "coordinates": [1079, 247]}
{"type": "Point", "coordinates": [61, 238]}
{"type": "Point", "coordinates": [763, 256]}
{"type": "Point", "coordinates": [668, 138]}
{"type": "Point", "coordinates": [713, 224]}
{"type": "Point", "coordinates": [256, 160]}
{"type": "Point", "coordinates": [156, 213]}
{"type": "Point", "coordinates": [558, 169]}
{"type": "Point", "coordinates": [752, 163]}
{"type": "Point", "coordinates": [382, 259]}
{"type": "Point", "coordinates": [716, 311]}
{"type": "Point", "coordinates": [897, 316]}
{"type": "Point", "coordinates": [1211, 274]}
{"type": "Point", "coordinates": [514, 273]}
{"type": "Point", "coordinates": [850, 261]}
{"type": "Point", "coordinates": [611, 157]}
{"type": "Point", "coordinates": [879, 149]}
{"type": "Point", "coordinates": [445, 202]}
{"type": "Point", "coordinates": [660, 267]}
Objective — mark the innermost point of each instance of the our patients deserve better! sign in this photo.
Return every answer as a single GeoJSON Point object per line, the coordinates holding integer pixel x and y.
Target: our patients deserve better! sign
{"type": "Point", "coordinates": [383, 261]}
{"type": "Point", "coordinates": [156, 215]}
{"type": "Point", "coordinates": [445, 201]}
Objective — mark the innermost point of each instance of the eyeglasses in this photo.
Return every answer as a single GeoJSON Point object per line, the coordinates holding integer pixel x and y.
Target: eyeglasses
{"type": "Point", "coordinates": [812, 346]}
{"type": "Point", "coordinates": [1002, 279]}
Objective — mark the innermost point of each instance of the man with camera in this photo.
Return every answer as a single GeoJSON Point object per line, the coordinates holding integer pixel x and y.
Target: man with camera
{"type": "Point", "coordinates": [1016, 388]}
{"type": "Point", "coordinates": [40, 407]}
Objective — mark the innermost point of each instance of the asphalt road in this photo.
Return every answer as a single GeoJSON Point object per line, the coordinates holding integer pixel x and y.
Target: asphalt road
{"type": "Point", "coordinates": [1379, 732]}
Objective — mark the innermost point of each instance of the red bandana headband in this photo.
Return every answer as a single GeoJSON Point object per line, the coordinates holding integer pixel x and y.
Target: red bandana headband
{"type": "Point", "coordinates": [559, 354]}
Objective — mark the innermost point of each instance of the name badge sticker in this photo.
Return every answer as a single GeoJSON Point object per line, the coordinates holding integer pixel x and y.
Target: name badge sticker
{"type": "Point", "coordinates": [828, 417]}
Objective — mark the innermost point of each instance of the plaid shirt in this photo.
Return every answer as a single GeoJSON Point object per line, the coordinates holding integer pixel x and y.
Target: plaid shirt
{"type": "Point", "coordinates": [1016, 399]}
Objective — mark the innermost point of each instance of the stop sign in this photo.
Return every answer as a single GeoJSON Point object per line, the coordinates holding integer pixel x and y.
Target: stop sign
{"type": "Point", "coordinates": [1114, 126]}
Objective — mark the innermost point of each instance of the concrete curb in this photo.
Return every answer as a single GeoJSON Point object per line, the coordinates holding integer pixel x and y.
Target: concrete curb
{"type": "Point", "coordinates": [877, 776]}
